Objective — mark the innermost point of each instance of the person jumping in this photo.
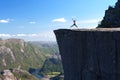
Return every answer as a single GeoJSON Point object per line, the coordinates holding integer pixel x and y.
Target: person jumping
{"type": "Point", "coordinates": [74, 23]}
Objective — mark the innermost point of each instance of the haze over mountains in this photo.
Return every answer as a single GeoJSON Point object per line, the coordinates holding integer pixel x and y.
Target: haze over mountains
{"type": "Point", "coordinates": [16, 53]}
{"type": "Point", "coordinates": [19, 53]}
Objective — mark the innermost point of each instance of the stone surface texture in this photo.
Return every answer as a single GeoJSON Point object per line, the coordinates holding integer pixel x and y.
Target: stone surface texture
{"type": "Point", "coordinates": [90, 54]}
{"type": "Point", "coordinates": [112, 17]}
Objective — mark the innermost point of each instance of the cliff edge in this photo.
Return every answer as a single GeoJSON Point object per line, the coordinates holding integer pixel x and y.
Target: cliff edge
{"type": "Point", "coordinates": [90, 54]}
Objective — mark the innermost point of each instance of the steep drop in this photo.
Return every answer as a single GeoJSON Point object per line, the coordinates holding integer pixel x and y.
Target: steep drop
{"type": "Point", "coordinates": [90, 54]}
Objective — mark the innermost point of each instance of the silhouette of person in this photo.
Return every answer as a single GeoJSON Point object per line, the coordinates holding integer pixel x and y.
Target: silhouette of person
{"type": "Point", "coordinates": [74, 23]}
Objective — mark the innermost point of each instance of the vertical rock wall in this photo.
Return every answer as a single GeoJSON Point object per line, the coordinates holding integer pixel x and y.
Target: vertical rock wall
{"type": "Point", "coordinates": [90, 54]}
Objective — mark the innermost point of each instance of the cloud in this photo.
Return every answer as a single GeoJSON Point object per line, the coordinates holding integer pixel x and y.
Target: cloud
{"type": "Point", "coordinates": [32, 22]}
{"type": "Point", "coordinates": [43, 36]}
{"type": "Point", "coordinates": [91, 21]}
{"type": "Point", "coordinates": [59, 20]}
{"type": "Point", "coordinates": [5, 35]}
{"type": "Point", "coordinates": [4, 20]}
{"type": "Point", "coordinates": [21, 35]}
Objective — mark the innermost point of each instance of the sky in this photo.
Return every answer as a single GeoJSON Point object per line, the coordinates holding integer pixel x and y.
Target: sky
{"type": "Point", "coordinates": [35, 20]}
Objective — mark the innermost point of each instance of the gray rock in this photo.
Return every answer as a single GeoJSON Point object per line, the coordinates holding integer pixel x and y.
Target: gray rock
{"type": "Point", "coordinates": [8, 75]}
{"type": "Point", "coordinates": [112, 17]}
{"type": "Point", "coordinates": [90, 54]}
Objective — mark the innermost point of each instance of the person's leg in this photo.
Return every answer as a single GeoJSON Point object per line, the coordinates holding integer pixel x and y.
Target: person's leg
{"type": "Point", "coordinates": [76, 25]}
{"type": "Point", "coordinates": [72, 26]}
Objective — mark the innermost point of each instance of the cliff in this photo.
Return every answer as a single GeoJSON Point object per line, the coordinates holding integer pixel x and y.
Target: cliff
{"type": "Point", "coordinates": [112, 17]}
{"type": "Point", "coordinates": [90, 54]}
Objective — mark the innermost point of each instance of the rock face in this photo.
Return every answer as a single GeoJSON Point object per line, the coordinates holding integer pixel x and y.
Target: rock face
{"type": "Point", "coordinates": [90, 54]}
{"type": "Point", "coordinates": [7, 75]}
{"type": "Point", "coordinates": [112, 17]}
{"type": "Point", "coordinates": [51, 65]}
{"type": "Point", "coordinates": [17, 52]}
{"type": "Point", "coordinates": [16, 74]}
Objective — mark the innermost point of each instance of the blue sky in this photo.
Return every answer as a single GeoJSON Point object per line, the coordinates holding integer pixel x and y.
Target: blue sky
{"type": "Point", "coordinates": [36, 19]}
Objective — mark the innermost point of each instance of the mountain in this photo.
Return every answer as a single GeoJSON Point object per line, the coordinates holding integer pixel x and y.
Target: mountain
{"type": "Point", "coordinates": [35, 57]}
{"type": "Point", "coordinates": [112, 17]}
{"type": "Point", "coordinates": [50, 48]}
{"type": "Point", "coordinates": [16, 74]}
{"type": "Point", "coordinates": [18, 53]}
{"type": "Point", "coordinates": [52, 66]}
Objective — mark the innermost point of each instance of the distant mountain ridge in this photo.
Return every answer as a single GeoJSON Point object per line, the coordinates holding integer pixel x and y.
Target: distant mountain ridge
{"type": "Point", "coordinates": [49, 47]}
{"type": "Point", "coordinates": [35, 57]}
{"type": "Point", "coordinates": [18, 53]}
